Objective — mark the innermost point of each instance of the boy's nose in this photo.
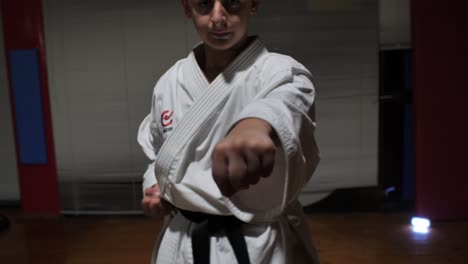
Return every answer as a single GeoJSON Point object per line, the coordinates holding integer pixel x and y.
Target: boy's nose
{"type": "Point", "coordinates": [218, 14]}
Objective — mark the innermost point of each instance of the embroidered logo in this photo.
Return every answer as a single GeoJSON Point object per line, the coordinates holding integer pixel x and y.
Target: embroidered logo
{"type": "Point", "coordinates": [166, 120]}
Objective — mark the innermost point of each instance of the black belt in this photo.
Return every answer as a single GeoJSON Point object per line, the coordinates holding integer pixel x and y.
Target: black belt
{"type": "Point", "coordinates": [207, 226]}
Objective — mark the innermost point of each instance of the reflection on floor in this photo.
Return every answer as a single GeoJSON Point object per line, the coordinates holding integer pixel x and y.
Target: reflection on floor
{"type": "Point", "coordinates": [340, 238]}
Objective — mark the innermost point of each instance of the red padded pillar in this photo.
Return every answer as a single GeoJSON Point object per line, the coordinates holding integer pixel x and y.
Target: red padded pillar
{"type": "Point", "coordinates": [23, 31]}
{"type": "Point", "coordinates": [440, 42]}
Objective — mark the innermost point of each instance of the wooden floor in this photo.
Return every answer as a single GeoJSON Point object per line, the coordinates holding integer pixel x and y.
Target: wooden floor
{"type": "Point", "coordinates": [339, 237]}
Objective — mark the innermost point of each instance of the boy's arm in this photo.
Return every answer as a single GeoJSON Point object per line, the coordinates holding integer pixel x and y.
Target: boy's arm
{"type": "Point", "coordinates": [288, 109]}
{"type": "Point", "coordinates": [152, 203]}
{"type": "Point", "coordinates": [146, 141]}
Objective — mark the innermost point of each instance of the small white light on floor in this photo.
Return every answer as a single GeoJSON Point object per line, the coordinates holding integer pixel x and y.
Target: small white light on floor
{"type": "Point", "coordinates": [420, 225]}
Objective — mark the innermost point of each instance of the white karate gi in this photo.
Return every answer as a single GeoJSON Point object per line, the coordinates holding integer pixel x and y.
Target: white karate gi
{"type": "Point", "coordinates": [189, 116]}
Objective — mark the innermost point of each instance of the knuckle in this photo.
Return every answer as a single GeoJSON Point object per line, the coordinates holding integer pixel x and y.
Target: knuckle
{"type": "Point", "coordinates": [237, 144]}
{"type": "Point", "coordinates": [268, 146]}
{"type": "Point", "coordinates": [254, 146]}
{"type": "Point", "coordinates": [220, 150]}
{"type": "Point", "coordinates": [223, 146]}
{"type": "Point", "coordinates": [261, 146]}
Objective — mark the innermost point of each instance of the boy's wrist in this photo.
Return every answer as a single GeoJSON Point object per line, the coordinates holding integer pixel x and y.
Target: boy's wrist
{"type": "Point", "coordinates": [259, 125]}
{"type": "Point", "coordinates": [255, 123]}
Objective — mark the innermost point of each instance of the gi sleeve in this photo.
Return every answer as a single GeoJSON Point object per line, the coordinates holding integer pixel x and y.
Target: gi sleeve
{"type": "Point", "coordinates": [288, 106]}
{"type": "Point", "coordinates": [149, 138]}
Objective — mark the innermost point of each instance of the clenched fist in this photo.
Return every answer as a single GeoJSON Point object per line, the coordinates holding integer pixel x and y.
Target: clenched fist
{"type": "Point", "coordinates": [153, 205]}
{"type": "Point", "coordinates": [244, 156]}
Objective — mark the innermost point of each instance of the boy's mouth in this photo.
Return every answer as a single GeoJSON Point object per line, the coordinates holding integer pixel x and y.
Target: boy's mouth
{"type": "Point", "coordinates": [221, 35]}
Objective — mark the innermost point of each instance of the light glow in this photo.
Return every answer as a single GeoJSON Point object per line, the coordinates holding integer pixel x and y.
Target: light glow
{"type": "Point", "coordinates": [420, 225]}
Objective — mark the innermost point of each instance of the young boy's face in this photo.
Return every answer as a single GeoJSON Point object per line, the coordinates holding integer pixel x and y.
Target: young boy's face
{"type": "Point", "coordinates": [221, 24]}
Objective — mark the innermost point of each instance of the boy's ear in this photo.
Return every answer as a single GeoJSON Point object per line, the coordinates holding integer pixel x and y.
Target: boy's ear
{"type": "Point", "coordinates": [255, 6]}
{"type": "Point", "coordinates": [187, 10]}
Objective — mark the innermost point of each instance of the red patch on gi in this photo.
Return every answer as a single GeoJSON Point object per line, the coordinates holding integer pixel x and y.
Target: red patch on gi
{"type": "Point", "coordinates": [166, 118]}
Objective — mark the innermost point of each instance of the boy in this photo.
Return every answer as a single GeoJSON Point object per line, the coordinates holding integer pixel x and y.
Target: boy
{"type": "Point", "coordinates": [231, 137]}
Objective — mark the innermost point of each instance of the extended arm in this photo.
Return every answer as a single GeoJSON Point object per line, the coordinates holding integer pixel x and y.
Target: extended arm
{"type": "Point", "coordinates": [286, 113]}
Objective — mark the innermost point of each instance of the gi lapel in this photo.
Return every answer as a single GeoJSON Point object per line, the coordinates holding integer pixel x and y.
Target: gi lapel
{"type": "Point", "coordinates": [212, 97]}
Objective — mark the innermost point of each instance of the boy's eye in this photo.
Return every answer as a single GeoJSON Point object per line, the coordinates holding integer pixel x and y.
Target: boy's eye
{"type": "Point", "coordinates": [204, 6]}
{"type": "Point", "coordinates": [231, 3]}
{"type": "Point", "coordinates": [204, 3]}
